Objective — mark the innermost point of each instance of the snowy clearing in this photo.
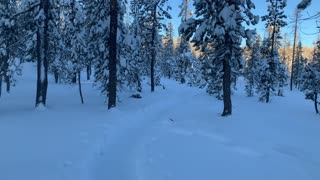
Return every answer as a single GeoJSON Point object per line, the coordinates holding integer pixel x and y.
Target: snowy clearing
{"type": "Point", "coordinates": [176, 133]}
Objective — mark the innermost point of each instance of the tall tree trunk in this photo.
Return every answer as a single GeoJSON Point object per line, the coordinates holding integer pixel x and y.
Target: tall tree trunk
{"type": "Point", "coordinates": [294, 47]}
{"type": "Point", "coordinates": [42, 55]}
{"type": "Point", "coordinates": [153, 46]}
{"type": "Point", "coordinates": [226, 84]}
{"type": "Point", "coordinates": [316, 102]}
{"type": "Point", "coordinates": [80, 88]}
{"type": "Point", "coordinates": [113, 54]}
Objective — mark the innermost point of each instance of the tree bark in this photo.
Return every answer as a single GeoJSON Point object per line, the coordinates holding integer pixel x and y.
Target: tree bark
{"type": "Point", "coordinates": [56, 76]}
{"type": "Point", "coordinates": [227, 82]}
{"type": "Point", "coordinates": [294, 47]}
{"type": "Point", "coordinates": [7, 79]}
{"type": "Point", "coordinates": [88, 71]}
{"type": "Point", "coordinates": [316, 102]}
{"type": "Point", "coordinates": [74, 78]}
{"type": "Point", "coordinates": [153, 46]}
{"type": "Point", "coordinates": [0, 84]}
{"type": "Point", "coordinates": [42, 55]}
{"type": "Point", "coordinates": [80, 88]}
{"type": "Point", "coordinates": [113, 54]}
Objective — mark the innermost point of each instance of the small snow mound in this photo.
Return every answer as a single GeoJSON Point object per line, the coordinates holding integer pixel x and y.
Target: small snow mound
{"type": "Point", "coordinates": [41, 108]}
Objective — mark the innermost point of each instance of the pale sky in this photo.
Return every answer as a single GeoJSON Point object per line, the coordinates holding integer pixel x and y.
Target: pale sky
{"type": "Point", "coordinates": [306, 27]}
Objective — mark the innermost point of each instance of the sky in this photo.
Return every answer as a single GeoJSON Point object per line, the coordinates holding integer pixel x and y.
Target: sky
{"type": "Point", "coordinates": [306, 27]}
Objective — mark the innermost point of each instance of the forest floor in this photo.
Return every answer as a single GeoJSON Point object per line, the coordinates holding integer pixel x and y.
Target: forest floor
{"type": "Point", "coordinates": [176, 133]}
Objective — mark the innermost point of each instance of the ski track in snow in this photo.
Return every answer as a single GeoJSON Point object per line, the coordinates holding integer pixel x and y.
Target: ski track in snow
{"type": "Point", "coordinates": [117, 161]}
{"type": "Point", "coordinates": [172, 134]}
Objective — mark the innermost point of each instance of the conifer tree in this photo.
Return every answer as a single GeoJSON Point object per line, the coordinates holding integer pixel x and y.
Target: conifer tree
{"type": "Point", "coordinates": [251, 67]}
{"type": "Point", "coordinates": [310, 81]}
{"type": "Point", "coordinates": [275, 21]}
{"type": "Point", "coordinates": [220, 21]}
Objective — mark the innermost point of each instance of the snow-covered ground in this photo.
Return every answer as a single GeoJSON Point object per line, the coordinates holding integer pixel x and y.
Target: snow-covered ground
{"type": "Point", "coordinates": [176, 133]}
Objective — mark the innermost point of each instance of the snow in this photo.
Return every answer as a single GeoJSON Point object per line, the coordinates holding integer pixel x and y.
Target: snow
{"type": "Point", "coordinates": [174, 133]}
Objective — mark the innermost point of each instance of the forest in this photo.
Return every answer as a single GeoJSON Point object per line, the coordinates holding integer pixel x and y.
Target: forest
{"type": "Point", "coordinates": [122, 42]}
{"type": "Point", "coordinates": [159, 89]}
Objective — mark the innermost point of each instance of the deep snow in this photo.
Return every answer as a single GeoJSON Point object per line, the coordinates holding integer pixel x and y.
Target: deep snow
{"type": "Point", "coordinates": [176, 133]}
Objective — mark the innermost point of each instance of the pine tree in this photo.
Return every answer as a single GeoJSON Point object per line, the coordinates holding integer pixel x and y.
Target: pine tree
{"type": "Point", "coordinates": [76, 43]}
{"type": "Point", "coordinates": [310, 81]}
{"type": "Point", "coordinates": [135, 48]}
{"type": "Point", "coordinates": [183, 56]}
{"type": "Point", "coordinates": [298, 65]}
{"type": "Point", "coordinates": [220, 21]}
{"type": "Point", "coordinates": [282, 78]}
{"type": "Point", "coordinates": [274, 21]}
{"type": "Point", "coordinates": [167, 61]}
{"type": "Point", "coordinates": [251, 67]}
{"type": "Point", "coordinates": [10, 46]}
{"type": "Point", "coordinates": [154, 12]}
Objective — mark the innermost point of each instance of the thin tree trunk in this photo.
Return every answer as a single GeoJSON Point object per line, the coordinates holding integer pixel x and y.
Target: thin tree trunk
{"type": "Point", "coordinates": [74, 78]}
{"type": "Point", "coordinates": [42, 55]}
{"type": "Point", "coordinates": [268, 95]}
{"type": "Point", "coordinates": [153, 46]}
{"type": "Point", "coordinates": [0, 84]}
{"type": "Point", "coordinates": [80, 89]}
{"type": "Point", "coordinates": [88, 72]}
{"type": "Point", "coordinates": [139, 86]}
{"type": "Point", "coordinates": [56, 76]}
{"type": "Point", "coordinates": [316, 102]}
{"type": "Point", "coordinates": [113, 54]}
{"type": "Point", "coordinates": [7, 79]}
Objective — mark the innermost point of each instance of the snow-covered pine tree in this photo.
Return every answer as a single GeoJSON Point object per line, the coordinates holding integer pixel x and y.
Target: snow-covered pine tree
{"type": "Point", "coordinates": [220, 21]}
{"type": "Point", "coordinates": [251, 66]}
{"type": "Point", "coordinates": [135, 49]}
{"type": "Point", "coordinates": [285, 50]}
{"type": "Point", "coordinates": [298, 65]}
{"type": "Point", "coordinates": [274, 21]}
{"type": "Point", "coordinates": [194, 75]}
{"type": "Point", "coordinates": [183, 51]}
{"type": "Point", "coordinates": [310, 79]}
{"type": "Point", "coordinates": [98, 14]}
{"type": "Point", "coordinates": [167, 60]}
{"type": "Point", "coordinates": [212, 72]}
{"type": "Point", "coordinates": [154, 12]}
{"type": "Point", "coordinates": [10, 44]}
{"type": "Point", "coordinates": [76, 41]}
{"type": "Point", "coordinates": [283, 77]}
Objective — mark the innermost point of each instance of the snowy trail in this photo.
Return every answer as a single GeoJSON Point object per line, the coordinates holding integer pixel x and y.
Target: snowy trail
{"type": "Point", "coordinates": [169, 140]}
{"type": "Point", "coordinates": [174, 133]}
{"type": "Point", "coordinates": [118, 158]}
